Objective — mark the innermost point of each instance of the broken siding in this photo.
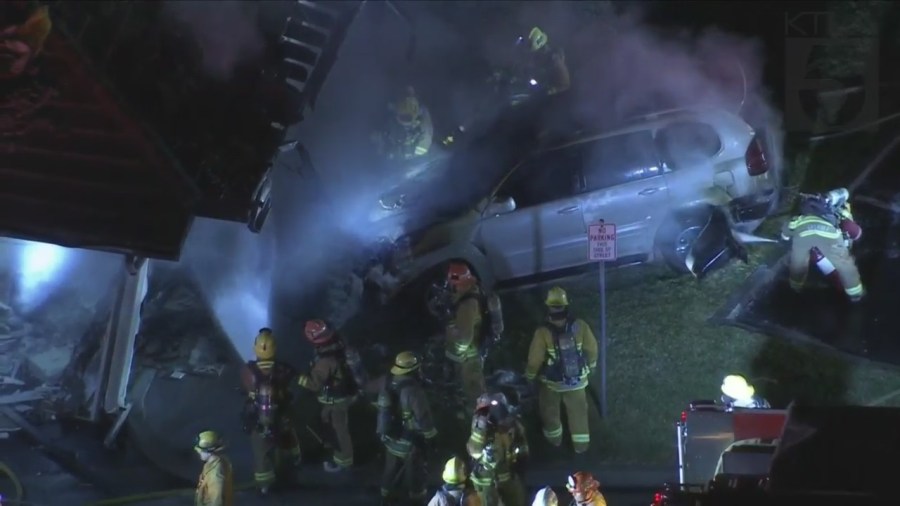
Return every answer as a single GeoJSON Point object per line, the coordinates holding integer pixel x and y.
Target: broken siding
{"type": "Point", "coordinates": [76, 171]}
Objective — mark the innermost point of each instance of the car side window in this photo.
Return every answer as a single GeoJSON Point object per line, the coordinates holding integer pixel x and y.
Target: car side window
{"type": "Point", "coordinates": [620, 159]}
{"type": "Point", "coordinates": [686, 143]}
{"type": "Point", "coordinates": [542, 178]}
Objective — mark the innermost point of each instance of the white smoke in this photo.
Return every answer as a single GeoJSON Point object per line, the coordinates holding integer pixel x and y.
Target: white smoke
{"type": "Point", "coordinates": [233, 268]}
{"type": "Point", "coordinates": [227, 32]}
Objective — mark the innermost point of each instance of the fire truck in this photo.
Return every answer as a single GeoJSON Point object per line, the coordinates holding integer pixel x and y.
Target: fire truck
{"type": "Point", "coordinates": [802, 454]}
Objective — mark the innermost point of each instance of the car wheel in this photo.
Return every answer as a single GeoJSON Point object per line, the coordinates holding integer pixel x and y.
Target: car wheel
{"type": "Point", "coordinates": [677, 235]}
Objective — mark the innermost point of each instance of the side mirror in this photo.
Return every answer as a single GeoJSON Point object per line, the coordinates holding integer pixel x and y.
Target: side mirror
{"type": "Point", "coordinates": [500, 205]}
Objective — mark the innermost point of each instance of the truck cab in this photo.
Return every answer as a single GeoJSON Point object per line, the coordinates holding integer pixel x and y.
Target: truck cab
{"type": "Point", "coordinates": [822, 455]}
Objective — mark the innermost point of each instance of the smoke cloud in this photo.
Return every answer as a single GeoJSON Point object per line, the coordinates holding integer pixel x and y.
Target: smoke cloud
{"type": "Point", "coordinates": [227, 32]}
{"type": "Point", "coordinates": [233, 268]}
{"type": "Point", "coordinates": [620, 67]}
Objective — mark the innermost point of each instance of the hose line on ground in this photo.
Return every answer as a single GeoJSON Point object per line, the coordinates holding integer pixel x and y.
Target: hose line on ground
{"type": "Point", "coordinates": [20, 491]}
{"type": "Point", "coordinates": [136, 498]}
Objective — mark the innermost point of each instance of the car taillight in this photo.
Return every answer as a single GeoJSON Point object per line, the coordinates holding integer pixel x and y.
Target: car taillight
{"type": "Point", "coordinates": [658, 499]}
{"type": "Point", "coordinates": [755, 157]}
{"type": "Point", "coordinates": [683, 416]}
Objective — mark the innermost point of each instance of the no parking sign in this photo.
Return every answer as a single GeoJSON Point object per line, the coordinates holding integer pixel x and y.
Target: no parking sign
{"type": "Point", "coordinates": [602, 242]}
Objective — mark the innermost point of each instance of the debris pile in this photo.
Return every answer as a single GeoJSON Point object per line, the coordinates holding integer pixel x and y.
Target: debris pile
{"type": "Point", "coordinates": [179, 333]}
{"type": "Point", "coordinates": [34, 354]}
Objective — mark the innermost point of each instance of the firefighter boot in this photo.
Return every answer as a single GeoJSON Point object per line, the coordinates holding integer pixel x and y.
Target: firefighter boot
{"type": "Point", "coordinates": [576, 405]}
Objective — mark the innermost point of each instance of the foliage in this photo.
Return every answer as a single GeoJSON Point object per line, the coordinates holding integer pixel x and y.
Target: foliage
{"type": "Point", "coordinates": [854, 29]}
{"type": "Point", "coordinates": [663, 353]}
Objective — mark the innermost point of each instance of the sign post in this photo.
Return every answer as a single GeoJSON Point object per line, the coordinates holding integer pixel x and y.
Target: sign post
{"type": "Point", "coordinates": [602, 249]}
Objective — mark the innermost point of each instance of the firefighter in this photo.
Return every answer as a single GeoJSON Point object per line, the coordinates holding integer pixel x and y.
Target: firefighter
{"type": "Point", "coordinates": [216, 484]}
{"type": "Point", "coordinates": [544, 66]}
{"type": "Point", "coordinates": [585, 490]}
{"type": "Point", "coordinates": [545, 497]}
{"type": "Point", "coordinates": [563, 354]}
{"type": "Point", "coordinates": [406, 427]}
{"type": "Point", "coordinates": [737, 392]}
{"type": "Point", "coordinates": [499, 449]}
{"type": "Point", "coordinates": [24, 42]}
{"type": "Point", "coordinates": [267, 411]}
{"type": "Point", "coordinates": [465, 332]}
{"type": "Point", "coordinates": [330, 377]}
{"type": "Point", "coordinates": [456, 490]}
{"type": "Point", "coordinates": [824, 231]}
{"type": "Point", "coordinates": [409, 131]}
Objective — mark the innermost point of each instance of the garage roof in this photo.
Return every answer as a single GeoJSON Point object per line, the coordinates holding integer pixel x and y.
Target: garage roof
{"type": "Point", "coordinates": [77, 171]}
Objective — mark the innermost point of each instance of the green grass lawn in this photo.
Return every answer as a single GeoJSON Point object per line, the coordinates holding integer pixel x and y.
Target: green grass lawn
{"type": "Point", "coordinates": [663, 353]}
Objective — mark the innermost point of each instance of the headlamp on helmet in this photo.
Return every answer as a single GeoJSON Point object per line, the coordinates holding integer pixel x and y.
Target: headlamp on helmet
{"type": "Point", "coordinates": [582, 486]}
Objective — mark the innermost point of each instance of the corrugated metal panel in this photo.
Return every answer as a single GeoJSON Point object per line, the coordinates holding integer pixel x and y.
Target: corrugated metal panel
{"type": "Point", "coordinates": [75, 170]}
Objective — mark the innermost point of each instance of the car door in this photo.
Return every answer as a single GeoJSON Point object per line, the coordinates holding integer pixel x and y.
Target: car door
{"type": "Point", "coordinates": [545, 231]}
{"type": "Point", "coordinates": [624, 185]}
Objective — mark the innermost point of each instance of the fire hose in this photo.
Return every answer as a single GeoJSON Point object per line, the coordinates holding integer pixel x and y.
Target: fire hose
{"type": "Point", "coordinates": [136, 498]}
{"type": "Point", "coordinates": [17, 485]}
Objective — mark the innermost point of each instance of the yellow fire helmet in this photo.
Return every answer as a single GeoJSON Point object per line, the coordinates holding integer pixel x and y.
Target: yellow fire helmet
{"type": "Point", "coordinates": [538, 38]}
{"type": "Point", "coordinates": [208, 441]}
{"type": "Point", "coordinates": [405, 363]}
{"type": "Point", "coordinates": [557, 297]}
{"type": "Point", "coordinates": [545, 497]}
{"type": "Point", "coordinates": [454, 472]}
{"type": "Point", "coordinates": [264, 344]}
{"type": "Point", "coordinates": [736, 387]}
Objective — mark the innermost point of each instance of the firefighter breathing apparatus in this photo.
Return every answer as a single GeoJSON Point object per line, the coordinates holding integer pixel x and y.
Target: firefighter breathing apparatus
{"type": "Point", "coordinates": [261, 409]}
{"type": "Point", "coordinates": [568, 366]}
{"type": "Point", "coordinates": [827, 206]}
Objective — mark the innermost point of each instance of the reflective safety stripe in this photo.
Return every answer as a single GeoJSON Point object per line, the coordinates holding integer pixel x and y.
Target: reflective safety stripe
{"type": "Point", "coordinates": [821, 233]}
{"type": "Point", "coordinates": [420, 150]}
{"type": "Point", "coordinates": [295, 451]}
{"type": "Point", "coordinates": [329, 401]}
{"type": "Point", "coordinates": [530, 376]}
{"type": "Point", "coordinates": [430, 433]}
{"type": "Point", "coordinates": [476, 437]}
{"type": "Point", "coordinates": [504, 477]}
{"type": "Point", "coordinates": [853, 291]}
{"type": "Point", "coordinates": [814, 226]}
{"type": "Point", "coordinates": [348, 462]}
{"type": "Point", "coordinates": [796, 284]}
{"type": "Point", "coordinates": [399, 452]}
{"type": "Point", "coordinates": [560, 387]}
{"type": "Point", "coordinates": [553, 433]}
{"type": "Point", "coordinates": [481, 482]}
{"type": "Point", "coordinates": [461, 356]}
{"type": "Point", "coordinates": [385, 492]}
{"type": "Point", "coordinates": [807, 220]}
{"type": "Point", "coordinates": [581, 438]}
{"type": "Point", "coordinates": [266, 477]}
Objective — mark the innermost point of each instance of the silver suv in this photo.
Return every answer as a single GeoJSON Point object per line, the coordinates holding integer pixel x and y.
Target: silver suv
{"type": "Point", "coordinates": [671, 182]}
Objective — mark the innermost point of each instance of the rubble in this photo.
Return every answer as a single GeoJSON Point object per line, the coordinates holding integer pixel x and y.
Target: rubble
{"type": "Point", "coordinates": [49, 364]}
